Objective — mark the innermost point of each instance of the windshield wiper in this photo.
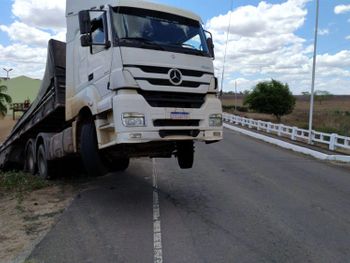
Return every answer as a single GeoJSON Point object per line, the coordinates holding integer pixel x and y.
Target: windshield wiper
{"type": "Point", "coordinates": [142, 41]}
{"type": "Point", "coordinates": [186, 48]}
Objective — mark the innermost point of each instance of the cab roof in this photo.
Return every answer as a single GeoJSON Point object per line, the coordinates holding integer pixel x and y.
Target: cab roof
{"type": "Point", "coordinates": [74, 6]}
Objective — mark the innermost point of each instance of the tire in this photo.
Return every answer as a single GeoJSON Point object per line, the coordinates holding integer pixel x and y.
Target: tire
{"type": "Point", "coordinates": [90, 155]}
{"type": "Point", "coordinates": [185, 154]}
{"type": "Point", "coordinates": [119, 165]}
{"type": "Point", "coordinates": [29, 163]}
{"type": "Point", "coordinates": [46, 169]}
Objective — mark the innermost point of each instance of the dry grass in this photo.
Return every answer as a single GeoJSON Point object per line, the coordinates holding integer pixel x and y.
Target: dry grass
{"type": "Point", "coordinates": [331, 115]}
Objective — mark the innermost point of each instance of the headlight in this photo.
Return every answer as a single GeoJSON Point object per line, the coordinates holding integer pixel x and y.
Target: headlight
{"type": "Point", "coordinates": [131, 119]}
{"type": "Point", "coordinates": [215, 120]}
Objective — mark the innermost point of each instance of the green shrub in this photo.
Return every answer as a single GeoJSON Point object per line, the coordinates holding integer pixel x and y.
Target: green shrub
{"type": "Point", "coordinates": [21, 182]}
{"type": "Point", "coordinates": [232, 107]}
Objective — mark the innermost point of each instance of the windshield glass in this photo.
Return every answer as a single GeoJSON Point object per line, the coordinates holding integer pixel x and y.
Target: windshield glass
{"type": "Point", "coordinates": [157, 30]}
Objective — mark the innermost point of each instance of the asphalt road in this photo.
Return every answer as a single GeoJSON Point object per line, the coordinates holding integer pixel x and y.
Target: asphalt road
{"type": "Point", "coordinates": [244, 201]}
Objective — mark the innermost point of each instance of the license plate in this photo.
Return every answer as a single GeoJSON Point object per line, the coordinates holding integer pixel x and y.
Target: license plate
{"type": "Point", "coordinates": [179, 115]}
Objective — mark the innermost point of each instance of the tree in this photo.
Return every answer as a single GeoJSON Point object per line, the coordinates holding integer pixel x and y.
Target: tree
{"type": "Point", "coordinates": [4, 100]}
{"type": "Point", "coordinates": [322, 95]}
{"type": "Point", "coordinates": [271, 97]}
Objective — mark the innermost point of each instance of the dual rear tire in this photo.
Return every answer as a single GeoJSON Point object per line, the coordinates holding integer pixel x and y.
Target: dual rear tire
{"type": "Point", "coordinates": [39, 165]}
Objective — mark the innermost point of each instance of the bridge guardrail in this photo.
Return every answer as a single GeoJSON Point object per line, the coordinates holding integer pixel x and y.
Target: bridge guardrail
{"type": "Point", "coordinates": [333, 140]}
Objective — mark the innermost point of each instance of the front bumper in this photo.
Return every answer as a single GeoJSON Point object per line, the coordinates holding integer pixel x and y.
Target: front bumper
{"type": "Point", "coordinates": [131, 101]}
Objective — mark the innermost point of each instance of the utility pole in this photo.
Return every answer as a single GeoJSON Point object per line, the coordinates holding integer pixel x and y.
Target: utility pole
{"type": "Point", "coordinates": [227, 38]}
{"type": "Point", "coordinates": [313, 75]}
{"type": "Point", "coordinates": [235, 96]}
{"type": "Point", "coordinates": [7, 72]}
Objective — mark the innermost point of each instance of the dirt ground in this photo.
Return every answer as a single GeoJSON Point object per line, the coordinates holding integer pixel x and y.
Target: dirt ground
{"type": "Point", "coordinates": [24, 223]}
{"type": "Point", "coordinates": [6, 126]}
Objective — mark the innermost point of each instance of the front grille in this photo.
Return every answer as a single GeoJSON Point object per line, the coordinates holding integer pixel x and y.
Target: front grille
{"type": "Point", "coordinates": [190, 133]}
{"type": "Point", "coordinates": [173, 99]}
{"type": "Point", "coordinates": [166, 82]}
{"type": "Point", "coordinates": [165, 70]}
{"type": "Point", "coordinates": [175, 123]}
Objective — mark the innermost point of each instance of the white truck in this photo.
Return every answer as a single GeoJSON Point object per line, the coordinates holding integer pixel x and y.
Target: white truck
{"type": "Point", "coordinates": [134, 79]}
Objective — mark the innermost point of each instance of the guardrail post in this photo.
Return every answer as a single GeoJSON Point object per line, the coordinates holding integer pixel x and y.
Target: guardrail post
{"type": "Point", "coordinates": [250, 123]}
{"type": "Point", "coordinates": [268, 128]}
{"type": "Point", "coordinates": [259, 123]}
{"type": "Point", "coordinates": [280, 130]}
{"type": "Point", "coordinates": [236, 120]}
{"type": "Point", "coordinates": [294, 133]}
{"type": "Point", "coordinates": [332, 141]}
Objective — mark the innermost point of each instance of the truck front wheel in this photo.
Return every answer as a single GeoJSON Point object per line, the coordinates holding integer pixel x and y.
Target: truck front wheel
{"type": "Point", "coordinates": [185, 154]}
{"type": "Point", "coordinates": [90, 155]}
{"type": "Point", "coordinates": [118, 165]}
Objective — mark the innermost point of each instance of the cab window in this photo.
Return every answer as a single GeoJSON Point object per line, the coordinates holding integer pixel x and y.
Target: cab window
{"type": "Point", "coordinates": [98, 34]}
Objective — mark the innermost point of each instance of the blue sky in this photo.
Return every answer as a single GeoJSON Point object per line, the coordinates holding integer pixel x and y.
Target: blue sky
{"type": "Point", "coordinates": [271, 39]}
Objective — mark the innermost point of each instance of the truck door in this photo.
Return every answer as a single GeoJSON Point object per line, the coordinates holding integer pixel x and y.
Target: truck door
{"type": "Point", "coordinates": [99, 59]}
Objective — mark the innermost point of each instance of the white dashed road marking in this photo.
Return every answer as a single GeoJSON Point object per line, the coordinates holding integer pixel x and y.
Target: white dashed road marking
{"type": "Point", "coordinates": [157, 234]}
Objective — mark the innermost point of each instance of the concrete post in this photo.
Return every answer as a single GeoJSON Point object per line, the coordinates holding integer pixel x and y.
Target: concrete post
{"type": "Point", "coordinates": [332, 141]}
{"type": "Point", "coordinates": [294, 133]}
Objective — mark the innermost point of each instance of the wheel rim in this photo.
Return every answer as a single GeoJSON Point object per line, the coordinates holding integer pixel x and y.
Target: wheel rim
{"type": "Point", "coordinates": [42, 166]}
{"type": "Point", "coordinates": [30, 159]}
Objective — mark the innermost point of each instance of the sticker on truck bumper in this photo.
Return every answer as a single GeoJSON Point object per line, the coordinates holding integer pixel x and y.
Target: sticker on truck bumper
{"type": "Point", "coordinates": [179, 115]}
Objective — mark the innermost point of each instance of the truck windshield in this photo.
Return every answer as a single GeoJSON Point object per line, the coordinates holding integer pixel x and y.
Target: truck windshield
{"type": "Point", "coordinates": [157, 30]}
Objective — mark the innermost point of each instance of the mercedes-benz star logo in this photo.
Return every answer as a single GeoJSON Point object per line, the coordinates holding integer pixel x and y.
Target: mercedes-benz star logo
{"type": "Point", "coordinates": [175, 76]}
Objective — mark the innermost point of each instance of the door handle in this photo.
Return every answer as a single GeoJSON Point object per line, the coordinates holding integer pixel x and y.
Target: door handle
{"type": "Point", "coordinates": [91, 76]}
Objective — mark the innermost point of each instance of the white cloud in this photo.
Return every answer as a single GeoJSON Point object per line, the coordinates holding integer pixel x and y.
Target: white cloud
{"type": "Point", "coordinates": [323, 32]}
{"type": "Point", "coordinates": [263, 39]}
{"type": "Point", "coordinates": [19, 53]}
{"type": "Point", "coordinates": [41, 13]}
{"type": "Point", "coordinates": [36, 21]}
{"type": "Point", "coordinates": [243, 84]}
{"type": "Point", "coordinates": [341, 9]}
{"type": "Point", "coordinates": [338, 60]}
{"type": "Point", "coordinates": [264, 44]}
{"type": "Point", "coordinates": [20, 32]}
{"type": "Point", "coordinates": [347, 37]}
{"type": "Point", "coordinates": [24, 60]}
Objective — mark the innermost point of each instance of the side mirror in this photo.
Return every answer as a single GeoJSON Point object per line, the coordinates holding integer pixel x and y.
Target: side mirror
{"type": "Point", "coordinates": [84, 22]}
{"type": "Point", "coordinates": [211, 47]}
{"type": "Point", "coordinates": [86, 40]}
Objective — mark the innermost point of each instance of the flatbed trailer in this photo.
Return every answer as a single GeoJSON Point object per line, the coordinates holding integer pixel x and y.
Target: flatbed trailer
{"type": "Point", "coordinates": [45, 115]}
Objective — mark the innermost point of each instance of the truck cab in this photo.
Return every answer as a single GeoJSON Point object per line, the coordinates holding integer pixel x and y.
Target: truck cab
{"type": "Point", "coordinates": [143, 74]}
{"type": "Point", "coordinates": [135, 79]}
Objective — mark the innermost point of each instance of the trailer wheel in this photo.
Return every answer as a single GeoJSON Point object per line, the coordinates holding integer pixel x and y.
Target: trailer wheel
{"type": "Point", "coordinates": [46, 168]}
{"type": "Point", "coordinates": [29, 165]}
{"type": "Point", "coordinates": [90, 155]}
{"type": "Point", "coordinates": [185, 154]}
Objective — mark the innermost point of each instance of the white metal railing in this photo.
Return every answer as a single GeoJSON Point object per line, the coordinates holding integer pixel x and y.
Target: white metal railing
{"type": "Point", "coordinates": [333, 140]}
